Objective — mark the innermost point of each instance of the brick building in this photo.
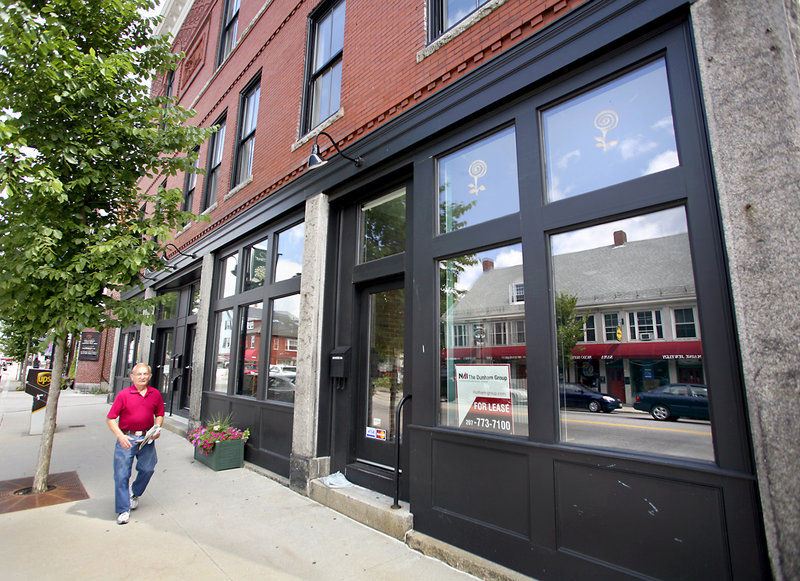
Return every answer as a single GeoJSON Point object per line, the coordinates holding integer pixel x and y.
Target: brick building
{"type": "Point", "coordinates": [514, 132]}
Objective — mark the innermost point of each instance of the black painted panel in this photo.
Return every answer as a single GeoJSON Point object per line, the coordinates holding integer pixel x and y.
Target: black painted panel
{"type": "Point", "coordinates": [482, 484]}
{"type": "Point", "coordinates": [655, 526]}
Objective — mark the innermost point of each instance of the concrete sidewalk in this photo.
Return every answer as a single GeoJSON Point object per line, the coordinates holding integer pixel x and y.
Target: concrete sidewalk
{"type": "Point", "coordinates": [192, 523]}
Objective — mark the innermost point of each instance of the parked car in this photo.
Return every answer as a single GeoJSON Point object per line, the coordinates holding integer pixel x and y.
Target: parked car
{"type": "Point", "coordinates": [575, 395]}
{"type": "Point", "coordinates": [675, 400]}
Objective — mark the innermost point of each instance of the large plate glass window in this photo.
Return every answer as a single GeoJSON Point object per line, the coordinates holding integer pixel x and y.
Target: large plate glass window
{"type": "Point", "coordinates": [638, 268]}
{"type": "Point", "coordinates": [283, 348]}
{"type": "Point", "coordinates": [228, 276]}
{"type": "Point", "coordinates": [222, 353]}
{"type": "Point", "coordinates": [619, 131]}
{"type": "Point", "coordinates": [479, 182]}
{"type": "Point", "coordinates": [383, 226]}
{"type": "Point", "coordinates": [249, 349]}
{"type": "Point", "coordinates": [484, 372]}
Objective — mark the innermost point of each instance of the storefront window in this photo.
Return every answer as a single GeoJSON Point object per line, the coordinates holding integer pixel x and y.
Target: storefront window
{"type": "Point", "coordinates": [614, 133]}
{"type": "Point", "coordinates": [249, 348]}
{"type": "Point", "coordinates": [479, 182]}
{"type": "Point", "coordinates": [227, 286]}
{"type": "Point", "coordinates": [222, 357]}
{"type": "Point", "coordinates": [283, 349]}
{"type": "Point", "coordinates": [484, 376]}
{"type": "Point", "coordinates": [640, 265]}
{"type": "Point", "coordinates": [256, 260]}
{"type": "Point", "coordinates": [290, 252]}
{"type": "Point", "coordinates": [383, 226]}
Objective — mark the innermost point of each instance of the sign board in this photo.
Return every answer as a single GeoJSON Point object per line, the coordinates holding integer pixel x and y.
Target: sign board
{"type": "Point", "coordinates": [37, 384]}
{"type": "Point", "coordinates": [90, 346]}
{"type": "Point", "coordinates": [483, 396]}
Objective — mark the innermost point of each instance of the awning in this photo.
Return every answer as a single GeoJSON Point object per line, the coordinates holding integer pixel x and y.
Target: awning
{"type": "Point", "coordinates": [643, 350]}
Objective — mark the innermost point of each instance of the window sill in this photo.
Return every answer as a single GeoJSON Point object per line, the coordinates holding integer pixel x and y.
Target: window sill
{"type": "Point", "coordinates": [238, 188]}
{"type": "Point", "coordinates": [463, 26]}
{"type": "Point", "coordinates": [318, 129]}
{"type": "Point", "coordinates": [208, 210]}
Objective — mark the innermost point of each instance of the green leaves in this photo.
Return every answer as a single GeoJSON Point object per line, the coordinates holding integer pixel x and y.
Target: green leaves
{"type": "Point", "coordinates": [78, 129]}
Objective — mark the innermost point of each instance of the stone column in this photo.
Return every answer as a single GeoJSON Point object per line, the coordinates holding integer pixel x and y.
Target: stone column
{"type": "Point", "coordinates": [747, 55]}
{"type": "Point", "coordinates": [304, 463]}
{"type": "Point", "coordinates": [202, 331]}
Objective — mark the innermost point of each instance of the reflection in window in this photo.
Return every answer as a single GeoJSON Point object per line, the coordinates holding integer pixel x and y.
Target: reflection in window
{"type": "Point", "coordinates": [256, 261]}
{"type": "Point", "coordinates": [223, 351]}
{"type": "Point", "coordinates": [383, 226]}
{"type": "Point", "coordinates": [169, 306]}
{"type": "Point", "coordinates": [386, 360]}
{"type": "Point", "coordinates": [194, 300]}
{"type": "Point", "coordinates": [283, 349]}
{"type": "Point", "coordinates": [479, 182]}
{"type": "Point", "coordinates": [290, 252]}
{"type": "Point", "coordinates": [484, 385]}
{"type": "Point", "coordinates": [638, 266]}
{"type": "Point", "coordinates": [614, 133]}
{"type": "Point", "coordinates": [249, 348]}
{"type": "Point", "coordinates": [228, 276]}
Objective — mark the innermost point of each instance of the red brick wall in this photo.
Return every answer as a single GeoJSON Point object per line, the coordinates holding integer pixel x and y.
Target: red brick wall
{"type": "Point", "coordinates": [381, 78]}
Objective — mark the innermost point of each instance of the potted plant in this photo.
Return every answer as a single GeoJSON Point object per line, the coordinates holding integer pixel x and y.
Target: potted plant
{"type": "Point", "coordinates": [218, 444]}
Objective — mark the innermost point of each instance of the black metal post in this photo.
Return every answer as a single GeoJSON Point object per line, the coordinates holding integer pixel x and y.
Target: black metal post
{"type": "Point", "coordinates": [397, 427]}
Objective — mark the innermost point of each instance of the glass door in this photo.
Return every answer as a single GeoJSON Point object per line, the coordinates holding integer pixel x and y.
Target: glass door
{"type": "Point", "coordinates": [381, 357]}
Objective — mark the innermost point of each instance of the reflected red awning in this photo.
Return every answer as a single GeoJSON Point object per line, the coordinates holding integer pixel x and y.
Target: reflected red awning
{"type": "Point", "coordinates": [648, 350]}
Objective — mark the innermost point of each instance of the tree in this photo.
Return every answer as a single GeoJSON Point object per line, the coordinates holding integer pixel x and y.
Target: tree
{"type": "Point", "coordinates": [569, 329]}
{"type": "Point", "coordinates": [78, 129]}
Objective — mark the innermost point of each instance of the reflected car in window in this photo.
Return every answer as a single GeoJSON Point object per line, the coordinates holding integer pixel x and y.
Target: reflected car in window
{"type": "Point", "coordinates": [280, 388]}
{"type": "Point", "coordinates": [575, 395]}
{"type": "Point", "coordinates": [675, 400]}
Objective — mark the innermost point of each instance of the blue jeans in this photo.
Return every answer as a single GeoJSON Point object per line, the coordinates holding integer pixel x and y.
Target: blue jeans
{"type": "Point", "coordinates": [146, 459]}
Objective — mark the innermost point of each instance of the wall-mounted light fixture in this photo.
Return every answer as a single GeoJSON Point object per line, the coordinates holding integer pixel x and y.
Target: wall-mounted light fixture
{"type": "Point", "coordinates": [315, 161]}
{"type": "Point", "coordinates": [191, 256]}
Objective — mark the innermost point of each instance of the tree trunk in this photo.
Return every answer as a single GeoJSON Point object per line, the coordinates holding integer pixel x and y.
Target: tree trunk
{"type": "Point", "coordinates": [50, 412]}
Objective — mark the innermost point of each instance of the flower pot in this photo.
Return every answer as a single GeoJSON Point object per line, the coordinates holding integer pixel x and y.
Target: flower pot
{"type": "Point", "coordinates": [225, 455]}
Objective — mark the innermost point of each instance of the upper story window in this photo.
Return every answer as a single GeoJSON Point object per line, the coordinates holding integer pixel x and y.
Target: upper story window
{"type": "Point", "coordinates": [248, 117]}
{"type": "Point", "coordinates": [518, 292]}
{"type": "Point", "coordinates": [612, 326]}
{"type": "Point", "coordinates": [191, 183]}
{"type": "Point", "coordinates": [645, 325]}
{"type": "Point", "coordinates": [215, 148]}
{"type": "Point", "coordinates": [684, 323]}
{"type": "Point", "coordinates": [447, 13]}
{"type": "Point", "coordinates": [230, 29]}
{"type": "Point", "coordinates": [324, 88]}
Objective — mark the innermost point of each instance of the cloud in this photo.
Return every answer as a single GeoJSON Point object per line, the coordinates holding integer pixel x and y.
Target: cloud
{"type": "Point", "coordinates": [635, 146]}
{"type": "Point", "coordinates": [566, 159]}
{"type": "Point", "coordinates": [661, 162]}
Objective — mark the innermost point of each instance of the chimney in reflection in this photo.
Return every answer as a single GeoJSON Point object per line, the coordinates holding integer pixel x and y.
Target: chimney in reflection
{"type": "Point", "coordinates": [620, 238]}
{"type": "Point", "coordinates": [488, 264]}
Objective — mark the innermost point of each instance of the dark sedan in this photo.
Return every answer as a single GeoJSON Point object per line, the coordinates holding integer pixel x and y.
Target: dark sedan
{"type": "Point", "coordinates": [675, 400]}
{"type": "Point", "coordinates": [574, 395]}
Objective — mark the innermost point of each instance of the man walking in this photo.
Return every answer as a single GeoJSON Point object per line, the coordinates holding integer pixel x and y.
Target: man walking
{"type": "Point", "coordinates": [139, 408]}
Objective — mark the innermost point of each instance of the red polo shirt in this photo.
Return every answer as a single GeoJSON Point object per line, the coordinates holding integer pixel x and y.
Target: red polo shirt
{"type": "Point", "coordinates": [135, 412]}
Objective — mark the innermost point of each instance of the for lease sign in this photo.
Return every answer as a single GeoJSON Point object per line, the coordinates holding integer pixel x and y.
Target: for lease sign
{"type": "Point", "coordinates": [483, 395]}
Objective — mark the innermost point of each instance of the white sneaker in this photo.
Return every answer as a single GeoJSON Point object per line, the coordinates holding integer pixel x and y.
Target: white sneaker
{"type": "Point", "coordinates": [134, 502]}
{"type": "Point", "coordinates": [122, 518]}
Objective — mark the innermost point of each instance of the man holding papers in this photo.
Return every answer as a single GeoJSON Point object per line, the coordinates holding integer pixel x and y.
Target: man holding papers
{"type": "Point", "coordinates": [140, 413]}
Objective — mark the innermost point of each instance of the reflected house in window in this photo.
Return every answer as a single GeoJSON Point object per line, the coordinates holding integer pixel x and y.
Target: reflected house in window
{"type": "Point", "coordinates": [638, 299]}
{"type": "Point", "coordinates": [283, 350]}
{"type": "Point", "coordinates": [645, 289]}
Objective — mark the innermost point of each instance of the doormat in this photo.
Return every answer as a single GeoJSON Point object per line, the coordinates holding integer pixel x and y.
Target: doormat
{"type": "Point", "coordinates": [62, 487]}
